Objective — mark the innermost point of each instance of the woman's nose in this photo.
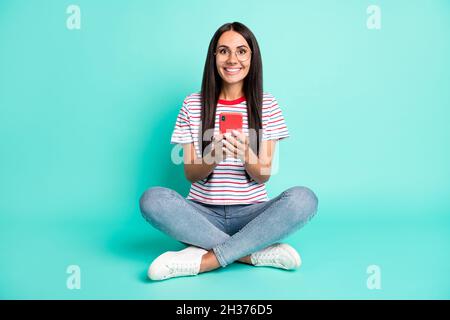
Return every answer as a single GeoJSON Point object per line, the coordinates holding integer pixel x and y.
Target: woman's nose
{"type": "Point", "coordinates": [232, 58]}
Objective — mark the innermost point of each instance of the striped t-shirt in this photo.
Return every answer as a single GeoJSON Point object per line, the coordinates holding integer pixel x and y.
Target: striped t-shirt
{"type": "Point", "coordinates": [228, 183]}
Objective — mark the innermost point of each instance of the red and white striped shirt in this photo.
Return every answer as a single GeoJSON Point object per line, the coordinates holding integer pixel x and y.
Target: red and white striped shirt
{"type": "Point", "coordinates": [228, 183]}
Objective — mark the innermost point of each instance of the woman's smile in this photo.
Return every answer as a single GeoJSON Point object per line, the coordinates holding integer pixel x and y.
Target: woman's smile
{"type": "Point", "coordinates": [232, 70]}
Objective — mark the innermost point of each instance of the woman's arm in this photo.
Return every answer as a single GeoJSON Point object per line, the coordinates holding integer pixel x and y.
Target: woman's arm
{"type": "Point", "coordinates": [199, 168]}
{"type": "Point", "coordinates": [258, 167]}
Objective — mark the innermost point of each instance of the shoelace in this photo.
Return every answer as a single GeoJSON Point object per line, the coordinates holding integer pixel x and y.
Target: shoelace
{"type": "Point", "coordinates": [182, 267]}
{"type": "Point", "coordinates": [269, 256]}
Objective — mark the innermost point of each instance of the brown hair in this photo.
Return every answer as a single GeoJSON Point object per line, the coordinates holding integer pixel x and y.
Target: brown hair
{"type": "Point", "coordinates": [212, 83]}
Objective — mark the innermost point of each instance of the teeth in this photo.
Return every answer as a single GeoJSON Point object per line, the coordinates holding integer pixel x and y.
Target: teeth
{"type": "Point", "coordinates": [232, 70]}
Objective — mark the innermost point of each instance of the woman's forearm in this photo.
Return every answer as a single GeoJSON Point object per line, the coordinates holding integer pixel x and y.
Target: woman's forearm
{"type": "Point", "coordinates": [199, 169]}
{"type": "Point", "coordinates": [196, 172]}
{"type": "Point", "coordinates": [257, 170]}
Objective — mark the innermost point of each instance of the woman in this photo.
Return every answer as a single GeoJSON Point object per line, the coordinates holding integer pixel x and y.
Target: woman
{"type": "Point", "coordinates": [227, 215]}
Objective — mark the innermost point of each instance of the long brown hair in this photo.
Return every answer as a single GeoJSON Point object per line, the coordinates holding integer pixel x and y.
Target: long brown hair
{"type": "Point", "coordinates": [212, 84]}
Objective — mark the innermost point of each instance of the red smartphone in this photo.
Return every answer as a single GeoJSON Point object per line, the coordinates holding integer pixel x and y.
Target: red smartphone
{"type": "Point", "coordinates": [230, 121]}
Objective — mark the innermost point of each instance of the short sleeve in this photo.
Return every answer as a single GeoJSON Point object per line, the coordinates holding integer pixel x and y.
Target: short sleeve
{"type": "Point", "coordinates": [182, 131]}
{"type": "Point", "coordinates": [275, 128]}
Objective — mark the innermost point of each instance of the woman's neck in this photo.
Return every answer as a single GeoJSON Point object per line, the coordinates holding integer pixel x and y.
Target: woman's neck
{"type": "Point", "coordinates": [231, 91]}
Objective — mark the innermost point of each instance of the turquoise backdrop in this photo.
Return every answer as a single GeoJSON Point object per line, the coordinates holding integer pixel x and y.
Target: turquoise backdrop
{"type": "Point", "coordinates": [86, 117]}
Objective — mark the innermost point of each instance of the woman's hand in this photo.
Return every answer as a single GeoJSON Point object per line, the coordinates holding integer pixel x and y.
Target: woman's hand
{"type": "Point", "coordinates": [217, 149]}
{"type": "Point", "coordinates": [236, 145]}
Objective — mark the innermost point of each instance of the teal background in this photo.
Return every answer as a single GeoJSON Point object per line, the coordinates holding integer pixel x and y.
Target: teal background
{"type": "Point", "coordinates": [86, 118]}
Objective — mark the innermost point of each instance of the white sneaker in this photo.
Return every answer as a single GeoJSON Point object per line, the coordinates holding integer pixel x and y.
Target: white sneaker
{"type": "Point", "coordinates": [278, 255]}
{"type": "Point", "coordinates": [176, 263]}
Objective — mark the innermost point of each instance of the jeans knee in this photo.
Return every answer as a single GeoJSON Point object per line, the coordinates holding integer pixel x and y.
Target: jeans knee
{"type": "Point", "coordinates": [304, 200]}
{"type": "Point", "coordinates": [152, 199]}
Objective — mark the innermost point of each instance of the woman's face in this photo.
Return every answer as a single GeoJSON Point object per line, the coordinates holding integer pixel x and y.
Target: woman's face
{"type": "Point", "coordinates": [233, 57]}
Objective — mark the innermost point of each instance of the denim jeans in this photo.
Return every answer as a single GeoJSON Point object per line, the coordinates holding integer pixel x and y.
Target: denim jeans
{"type": "Point", "coordinates": [231, 231]}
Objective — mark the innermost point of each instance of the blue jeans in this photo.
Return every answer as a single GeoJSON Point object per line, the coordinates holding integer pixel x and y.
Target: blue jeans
{"type": "Point", "coordinates": [231, 231]}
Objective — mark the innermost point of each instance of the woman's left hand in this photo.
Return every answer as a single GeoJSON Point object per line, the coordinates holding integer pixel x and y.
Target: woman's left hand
{"type": "Point", "coordinates": [236, 145]}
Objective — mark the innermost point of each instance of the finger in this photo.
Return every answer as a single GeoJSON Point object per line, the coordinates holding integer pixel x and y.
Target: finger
{"type": "Point", "coordinates": [228, 153]}
{"type": "Point", "coordinates": [218, 144]}
{"type": "Point", "coordinates": [232, 140]}
{"type": "Point", "coordinates": [240, 145]}
{"type": "Point", "coordinates": [227, 135]}
{"type": "Point", "coordinates": [229, 146]}
{"type": "Point", "coordinates": [240, 136]}
{"type": "Point", "coordinates": [217, 137]}
{"type": "Point", "coordinates": [236, 133]}
{"type": "Point", "coordinates": [230, 149]}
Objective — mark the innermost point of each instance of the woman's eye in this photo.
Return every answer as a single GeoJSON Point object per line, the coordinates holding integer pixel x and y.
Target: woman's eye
{"type": "Point", "coordinates": [242, 52]}
{"type": "Point", "coordinates": [222, 51]}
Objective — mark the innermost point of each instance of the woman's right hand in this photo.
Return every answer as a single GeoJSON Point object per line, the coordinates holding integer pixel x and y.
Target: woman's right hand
{"type": "Point", "coordinates": [217, 152]}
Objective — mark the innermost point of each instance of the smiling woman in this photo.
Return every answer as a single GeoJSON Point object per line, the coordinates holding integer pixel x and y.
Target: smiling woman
{"type": "Point", "coordinates": [227, 215]}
